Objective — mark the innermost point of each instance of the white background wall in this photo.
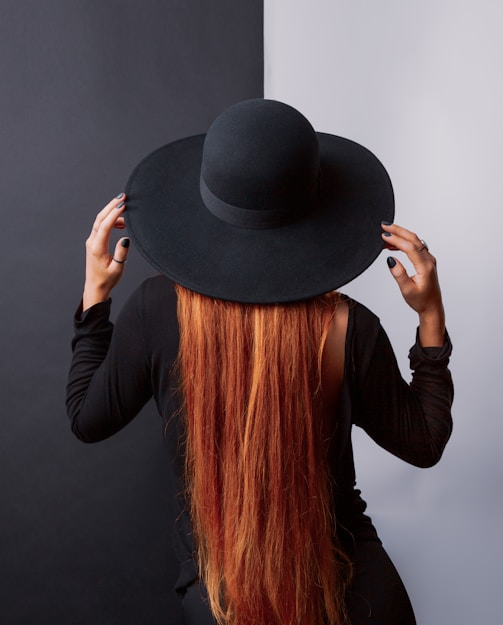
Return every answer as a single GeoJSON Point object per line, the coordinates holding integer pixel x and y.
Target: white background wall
{"type": "Point", "coordinates": [420, 84]}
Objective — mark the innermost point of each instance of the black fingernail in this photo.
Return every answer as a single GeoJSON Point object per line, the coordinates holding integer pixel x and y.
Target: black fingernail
{"type": "Point", "coordinates": [386, 234]}
{"type": "Point", "coordinates": [118, 197]}
{"type": "Point", "coordinates": [119, 205]}
{"type": "Point", "coordinates": [391, 262]}
{"type": "Point", "coordinates": [386, 223]}
{"type": "Point", "coordinates": [125, 243]}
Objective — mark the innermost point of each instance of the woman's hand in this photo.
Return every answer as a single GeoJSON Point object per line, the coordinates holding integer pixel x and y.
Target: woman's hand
{"type": "Point", "coordinates": [422, 290]}
{"type": "Point", "coordinates": [104, 270]}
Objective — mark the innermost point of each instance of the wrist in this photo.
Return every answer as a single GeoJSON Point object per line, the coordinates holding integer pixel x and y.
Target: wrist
{"type": "Point", "coordinates": [94, 295]}
{"type": "Point", "coordinates": [432, 327]}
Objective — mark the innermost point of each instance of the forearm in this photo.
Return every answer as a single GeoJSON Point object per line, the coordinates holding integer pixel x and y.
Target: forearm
{"type": "Point", "coordinates": [432, 327]}
{"type": "Point", "coordinates": [90, 345]}
{"type": "Point", "coordinates": [109, 379]}
{"type": "Point", "coordinates": [411, 421]}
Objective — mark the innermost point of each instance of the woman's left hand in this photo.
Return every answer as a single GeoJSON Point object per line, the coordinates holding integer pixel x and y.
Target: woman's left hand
{"type": "Point", "coordinates": [104, 270]}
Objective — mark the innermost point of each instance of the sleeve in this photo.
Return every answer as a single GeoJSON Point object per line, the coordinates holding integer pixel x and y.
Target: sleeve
{"type": "Point", "coordinates": [412, 421]}
{"type": "Point", "coordinates": [109, 378]}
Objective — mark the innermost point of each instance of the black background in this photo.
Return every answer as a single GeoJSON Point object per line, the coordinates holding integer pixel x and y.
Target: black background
{"type": "Point", "coordinates": [87, 88]}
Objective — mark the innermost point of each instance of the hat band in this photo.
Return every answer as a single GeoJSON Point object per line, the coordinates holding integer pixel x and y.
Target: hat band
{"type": "Point", "coordinates": [244, 217]}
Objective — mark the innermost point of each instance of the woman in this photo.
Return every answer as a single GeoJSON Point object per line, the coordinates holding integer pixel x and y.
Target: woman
{"type": "Point", "coordinates": [257, 224]}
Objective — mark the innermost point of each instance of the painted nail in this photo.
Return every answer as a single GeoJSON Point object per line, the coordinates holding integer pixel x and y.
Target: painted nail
{"type": "Point", "coordinates": [125, 243]}
{"type": "Point", "coordinates": [391, 262]}
{"type": "Point", "coordinates": [385, 234]}
{"type": "Point", "coordinates": [118, 197]}
{"type": "Point", "coordinates": [386, 223]}
{"type": "Point", "coordinates": [119, 205]}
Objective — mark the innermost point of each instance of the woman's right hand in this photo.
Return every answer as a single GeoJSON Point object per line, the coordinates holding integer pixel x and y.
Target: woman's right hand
{"type": "Point", "coordinates": [103, 269]}
{"type": "Point", "coordinates": [422, 290]}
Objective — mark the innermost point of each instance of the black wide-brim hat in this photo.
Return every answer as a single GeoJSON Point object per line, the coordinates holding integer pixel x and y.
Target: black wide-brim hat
{"type": "Point", "coordinates": [262, 209]}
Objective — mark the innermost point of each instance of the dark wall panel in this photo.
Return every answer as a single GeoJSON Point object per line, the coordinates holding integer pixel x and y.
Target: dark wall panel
{"type": "Point", "coordinates": [87, 88]}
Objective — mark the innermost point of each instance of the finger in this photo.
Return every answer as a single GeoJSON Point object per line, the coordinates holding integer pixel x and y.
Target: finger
{"type": "Point", "coordinates": [120, 253]}
{"type": "Point", "coordinates": [393, 230]}
{"type": "Point", "coordinates": [398, 238]}
{"type": "Point", "coordinates": [104, 212]}
{"type": "Point", "coordinates": [398, 272]}
{"type": "Point", "coordinates": [102, 235]}
{"type": "Point", "coordinates": [400, 231]}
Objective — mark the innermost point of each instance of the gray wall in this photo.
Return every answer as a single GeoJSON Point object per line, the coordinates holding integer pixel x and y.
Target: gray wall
{"type": "Point", "coordinates": [86, 89]}
{"type": "Point", "coordinates": [421, 84]}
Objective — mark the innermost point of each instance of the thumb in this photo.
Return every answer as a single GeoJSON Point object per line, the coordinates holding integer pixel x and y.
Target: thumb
{"type": "Point", "coordinates": [398, 271]}
{"type": "Point", "coordinates": [121, 251]}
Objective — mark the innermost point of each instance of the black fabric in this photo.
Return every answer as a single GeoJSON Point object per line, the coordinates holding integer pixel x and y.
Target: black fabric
{"type": "Point", "coordinates": [377, 596]}
{"type": "Point", "coordinates": [195, 606]}
{"type": "Point", "coordinates": [115, 371]}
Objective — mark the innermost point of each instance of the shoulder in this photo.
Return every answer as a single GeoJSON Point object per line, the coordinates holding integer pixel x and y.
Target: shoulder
{"type": "Point", "coordinates": [154, 293]}
{"type": "Point", "coordinates": [151, 309]}
{"type": "Point", "coordinates": [363, 334]}
{"type": "Point", "coordinates": [157, 286]}
{"type": "Point", "coordinates": [152, 302]}
{"type": "Point", "coordinates": [361, 318]}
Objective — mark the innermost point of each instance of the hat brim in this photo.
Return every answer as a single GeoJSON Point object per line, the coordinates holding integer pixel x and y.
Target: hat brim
{"type": "Point", "coordinates": [175, 232]}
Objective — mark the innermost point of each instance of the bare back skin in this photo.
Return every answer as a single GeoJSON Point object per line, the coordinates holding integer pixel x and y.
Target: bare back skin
{"type": "Point", "coordinates": [332, 364]}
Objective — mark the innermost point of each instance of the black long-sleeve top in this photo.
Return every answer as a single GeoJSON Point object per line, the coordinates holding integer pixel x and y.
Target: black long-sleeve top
{"type": "Point", "coordinates": [116, 370]}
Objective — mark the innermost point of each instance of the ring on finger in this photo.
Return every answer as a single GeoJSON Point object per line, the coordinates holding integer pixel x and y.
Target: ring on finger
{"type": "Point", "coordinates": [121, 262]}
{"type": "Point", "coordinates": [424, 245]}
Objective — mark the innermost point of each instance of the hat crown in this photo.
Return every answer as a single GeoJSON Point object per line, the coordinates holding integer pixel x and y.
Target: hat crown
{"type": "Point", "coordinates": [260, 164]}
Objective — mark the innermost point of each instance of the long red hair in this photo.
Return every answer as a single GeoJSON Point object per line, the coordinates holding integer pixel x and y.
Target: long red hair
{"type": "Point", "coordinates": [256, 460]}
